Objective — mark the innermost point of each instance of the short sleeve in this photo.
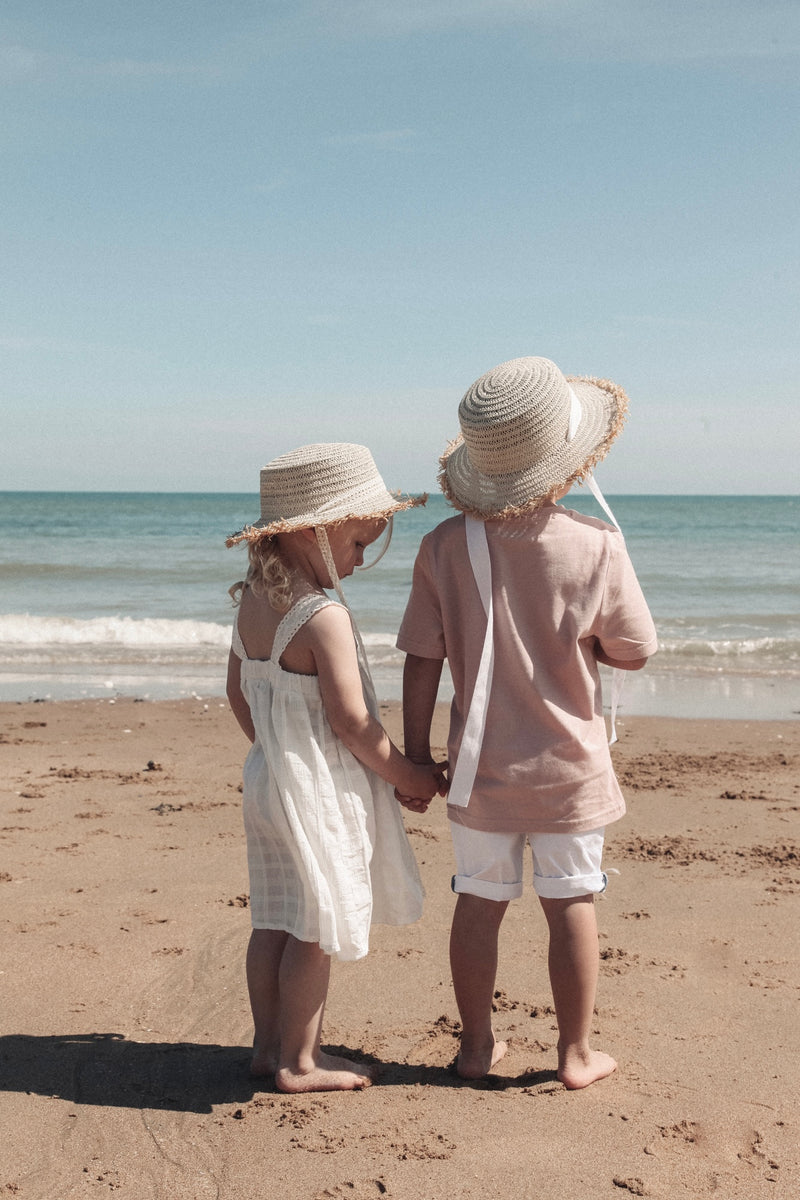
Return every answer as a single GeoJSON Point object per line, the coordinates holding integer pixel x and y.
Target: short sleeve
{"type": "Point", "coordinates": [421, 630]}
{"type": "Point", "coordinates": [624, 626]}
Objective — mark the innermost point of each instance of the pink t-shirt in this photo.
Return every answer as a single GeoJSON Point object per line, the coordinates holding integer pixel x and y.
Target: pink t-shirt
{"type": "Point", "coordinates": [561, 582]}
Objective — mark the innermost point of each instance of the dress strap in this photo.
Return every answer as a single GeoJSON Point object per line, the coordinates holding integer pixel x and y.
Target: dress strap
{"type": "Point", "coordinates": [237, 645]}
{"type": "Point", "coordinates": [295, 619]}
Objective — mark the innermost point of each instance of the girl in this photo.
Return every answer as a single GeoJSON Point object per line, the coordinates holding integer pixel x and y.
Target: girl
{"type": "Point", "coordinates": [327, 849]}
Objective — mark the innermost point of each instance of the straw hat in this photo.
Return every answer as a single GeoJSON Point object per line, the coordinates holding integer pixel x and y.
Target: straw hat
{"type": "Point", "coordinates": [322, 484]}
{"type": "Point", "coordinates": [526, 432]}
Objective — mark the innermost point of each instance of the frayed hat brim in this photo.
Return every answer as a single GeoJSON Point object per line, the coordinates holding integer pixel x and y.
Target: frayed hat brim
{"type": "Point", "coordinates": [604, 408]}
{"type": "Point", "coordinates": [257, 531]}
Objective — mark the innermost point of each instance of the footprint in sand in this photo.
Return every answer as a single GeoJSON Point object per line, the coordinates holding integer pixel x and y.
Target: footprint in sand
{"type": "Point", "coordinates": [365, 1189]}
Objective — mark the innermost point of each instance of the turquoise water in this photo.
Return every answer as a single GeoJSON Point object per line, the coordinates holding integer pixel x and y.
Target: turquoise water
{"type": "Point", "coordinates": [106, 593]}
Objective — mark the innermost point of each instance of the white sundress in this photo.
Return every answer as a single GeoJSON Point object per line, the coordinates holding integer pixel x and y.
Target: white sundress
{"type": "Point", "coordinates": [327, 849]}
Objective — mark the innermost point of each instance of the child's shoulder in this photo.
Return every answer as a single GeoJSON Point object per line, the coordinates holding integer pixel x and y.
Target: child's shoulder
{"type": "Point", "coordinates": [551, 521]}
{"type": "Point", "coordinates": [445, 532]}
{"type": "Point", "coordinates": [583, 521]}
{"type": "Point", "coordinates": [326, 624]}
{"type": "Point", "coordinates": [449, 526]}
{"type": "Point", "coordinates": [327, 613]}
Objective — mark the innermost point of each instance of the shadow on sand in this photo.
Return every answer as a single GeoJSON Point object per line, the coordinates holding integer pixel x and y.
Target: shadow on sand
{"type": "Point", "coordinates": [108, 1070]}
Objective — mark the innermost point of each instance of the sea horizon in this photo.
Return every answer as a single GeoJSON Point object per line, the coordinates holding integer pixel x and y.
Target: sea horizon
{"type": "Point", "coordinates": [431, 489]}
{"type": "Point", "coordinates": [125, 593]}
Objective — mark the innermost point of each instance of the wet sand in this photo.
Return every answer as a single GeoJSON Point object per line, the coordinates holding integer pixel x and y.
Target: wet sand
{"type": "Point", "coordinates": [124, 1021]}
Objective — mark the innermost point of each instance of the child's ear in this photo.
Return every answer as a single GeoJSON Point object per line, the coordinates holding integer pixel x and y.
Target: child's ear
{"type": "Point", "coordinates": [310, 535]}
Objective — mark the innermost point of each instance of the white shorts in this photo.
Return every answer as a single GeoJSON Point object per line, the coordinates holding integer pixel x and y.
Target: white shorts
{"type": "Point", "coordinates": [564, 864]}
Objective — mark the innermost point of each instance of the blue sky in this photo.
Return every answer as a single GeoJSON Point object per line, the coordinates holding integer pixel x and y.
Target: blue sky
{"type": "Point", "coordinates": [228, 230]}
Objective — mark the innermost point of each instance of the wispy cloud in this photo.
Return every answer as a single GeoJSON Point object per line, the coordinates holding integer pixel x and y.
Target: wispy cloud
{"type": "Point", "coordinates": [38, 344]}
{"type": "Point", "coordinates": [324, 320]}
{"type": "Point", "coordinates": [278, 184]}
{"type": "Point", "coordinates": [413, 16]}
{"type": "Point", "coordinates": [581, 30]}
{"type": "Point", "coordinates": [20, 64]}
{"type": "Point", "coordinates": [380, 138]}
{"type": "Point", "coordinates": [660, 321]}
{"type": "Point", "coordinates": [128, 68]}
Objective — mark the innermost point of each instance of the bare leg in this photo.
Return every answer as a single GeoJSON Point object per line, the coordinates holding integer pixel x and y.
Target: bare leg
{"type": "Point", "coordinates": [473, 962]}
{"type": "Point", "coordinates": [574, 966]}
{"type": "Point", "coordinates": [304, 975]}
{"type": "Point", "coordinates": [264, 953]}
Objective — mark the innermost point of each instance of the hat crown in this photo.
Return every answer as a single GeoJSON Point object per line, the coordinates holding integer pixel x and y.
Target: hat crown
{"type": "Point", "coordinates": [322, 483]}
{"type": "Point", "coordinates": [515, 415]}
{"type": "Point", "coordinates": [527, 432]}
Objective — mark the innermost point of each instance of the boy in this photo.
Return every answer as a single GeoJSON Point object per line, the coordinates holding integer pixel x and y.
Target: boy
{"type": "Point", "coordinates": [524, 598]}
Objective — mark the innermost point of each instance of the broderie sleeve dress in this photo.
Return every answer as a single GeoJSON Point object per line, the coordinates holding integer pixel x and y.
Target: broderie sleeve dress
{"type": "Point", "coordinates": [327, 850]}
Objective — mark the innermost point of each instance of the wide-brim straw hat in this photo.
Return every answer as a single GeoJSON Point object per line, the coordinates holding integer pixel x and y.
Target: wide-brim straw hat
{"type": "Point", "coordinates": [322, 484]}
{"type": "Point", "coordinates": [528, 431]}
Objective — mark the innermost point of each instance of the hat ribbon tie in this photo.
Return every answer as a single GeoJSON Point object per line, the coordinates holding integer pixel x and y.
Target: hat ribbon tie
{"type": "Point", "coordinates": [386, 541]}
{"type": "Point", "coordinates": [361, 653]}
{"type": "Point", "coordinates": [466, 768]}
{"type": "Point", "coordinates": [617, 675]}
{"type": "Point", "coordinates": [575, 414]}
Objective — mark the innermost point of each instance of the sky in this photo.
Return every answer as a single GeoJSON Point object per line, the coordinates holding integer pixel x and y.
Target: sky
{"type": "Point", "coordinates": [227, 230]}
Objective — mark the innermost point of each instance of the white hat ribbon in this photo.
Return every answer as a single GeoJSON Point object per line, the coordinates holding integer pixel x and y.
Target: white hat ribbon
{"type": "Point", "coordinates": [366, 675]}
{"type": "Point", "coordinates": [575, 414]}
{"type": "Point", "coordinates": [617, 675]}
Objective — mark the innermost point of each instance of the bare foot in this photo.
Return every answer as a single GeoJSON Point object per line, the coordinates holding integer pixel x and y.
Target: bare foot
{"type": "Point", "coordinates": [578, 1070]}
{"type": "Point", "coordinates": [474, 1063]}
{"type": "Point", "coordinates": [262, 1065]}
{"type": "Point", "coordinates": [265, 1059]}
{"type": "Point", "coordinates": [329, 1074]}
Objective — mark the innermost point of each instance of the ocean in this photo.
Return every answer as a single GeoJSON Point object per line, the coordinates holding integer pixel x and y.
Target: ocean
{"type": "Point", "coordinates": [107, 594]}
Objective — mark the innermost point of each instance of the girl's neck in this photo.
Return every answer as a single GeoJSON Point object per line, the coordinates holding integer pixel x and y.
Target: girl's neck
{"type": "Point", "coordinates": [303, 585]}
{"type": "Point", "coordinates": [298, 554]}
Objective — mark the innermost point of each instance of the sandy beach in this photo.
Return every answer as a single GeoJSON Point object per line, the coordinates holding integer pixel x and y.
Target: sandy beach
{"type": "Point", "coordinates": [125, 1021]}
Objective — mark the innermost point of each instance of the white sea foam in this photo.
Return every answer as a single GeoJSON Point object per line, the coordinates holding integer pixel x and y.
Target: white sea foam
{"type": "Point", "coordinates": [756, 653]}
{"type": "Point", "coordinates": [30, 639]}
{"type": "Point", "coordinates": [720, 576]}
{"type": "Point", "coordinates": [379, 640]}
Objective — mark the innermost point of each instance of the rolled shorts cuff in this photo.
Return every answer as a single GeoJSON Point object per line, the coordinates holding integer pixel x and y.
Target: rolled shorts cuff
{"type": "Point", "coordinates": [562, 888]}
{"type": "Point", "coordinates": [487, 890]}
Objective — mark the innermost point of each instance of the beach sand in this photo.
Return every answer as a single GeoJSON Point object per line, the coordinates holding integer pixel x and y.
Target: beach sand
{"type": "Point", "coordinates": [125, 1021]}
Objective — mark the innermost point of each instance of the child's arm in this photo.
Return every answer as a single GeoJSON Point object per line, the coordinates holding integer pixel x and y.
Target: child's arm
{"type": "Point", "coordinates": [239, 706]}
{"type": "Point", "coordinates": [330, 638]}
{"type": "Point", "coordinates": [625, 635]}
{"type": "Point", "coordinates": [420, 688]}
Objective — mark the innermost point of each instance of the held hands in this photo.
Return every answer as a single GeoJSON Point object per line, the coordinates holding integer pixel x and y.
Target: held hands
{"type": "Point", "coordinates": [431, 780]}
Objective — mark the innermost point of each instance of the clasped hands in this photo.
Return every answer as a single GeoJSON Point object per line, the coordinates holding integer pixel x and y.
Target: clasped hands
{"type": "Point", "coordinates": [417, 804]}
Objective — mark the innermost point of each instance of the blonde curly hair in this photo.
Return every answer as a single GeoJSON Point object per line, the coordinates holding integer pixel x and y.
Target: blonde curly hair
{"type": "Point", "coordinates": [266, 576]}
